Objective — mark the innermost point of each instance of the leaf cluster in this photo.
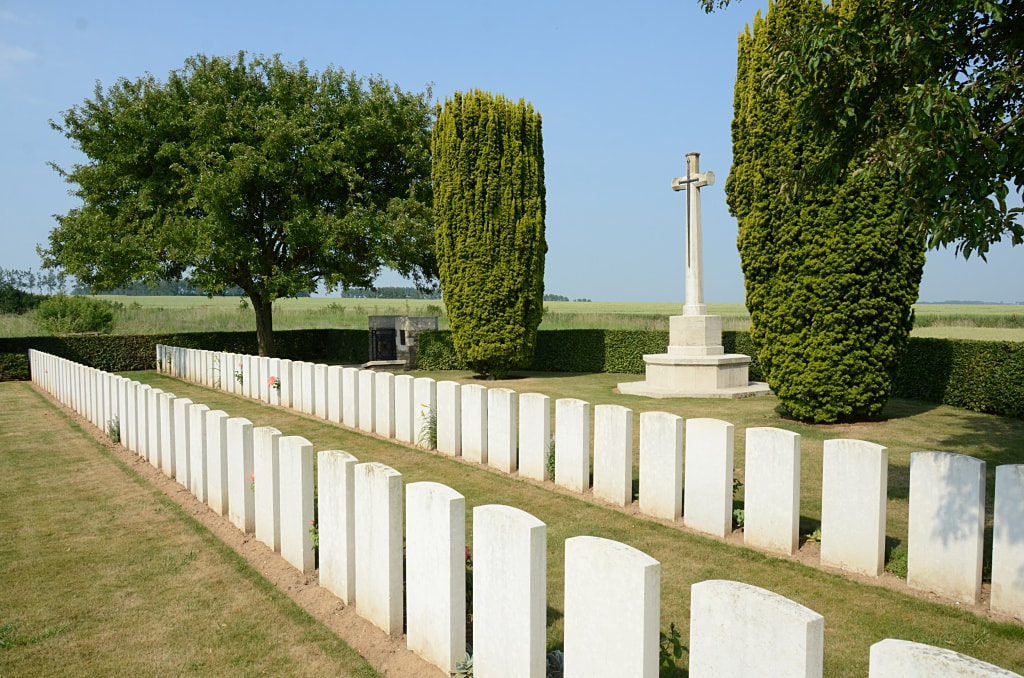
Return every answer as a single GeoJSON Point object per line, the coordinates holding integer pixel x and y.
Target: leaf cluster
{"type": "Point", "coordinates": [930, 95]}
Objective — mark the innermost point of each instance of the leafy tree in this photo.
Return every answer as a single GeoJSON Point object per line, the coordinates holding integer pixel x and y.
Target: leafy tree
{"type": "Point", "coordinates": [831, 271]}
{"type": "Point", "coordinates": [248, 172]}
{"type": "Point", "coordinates": [930, 95]}
{"type": "Point", "coordinates": [488, 176]}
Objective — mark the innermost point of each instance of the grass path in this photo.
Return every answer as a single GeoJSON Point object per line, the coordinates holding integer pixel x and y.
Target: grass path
{"type": "Point", "coordinates": [856, 614]}
{"type": "Point", "coordinates": [104, 575]}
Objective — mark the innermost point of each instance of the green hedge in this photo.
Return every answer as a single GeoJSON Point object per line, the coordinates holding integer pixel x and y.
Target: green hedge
{"type": "Point", "coordinates": [127, 353]}
{"type": "Point", "coordinates": [984, 376]}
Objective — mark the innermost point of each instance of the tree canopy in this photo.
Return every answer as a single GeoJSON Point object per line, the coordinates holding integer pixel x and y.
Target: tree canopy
{"type": "Point", "coordinates": [930, 95]}
{"type": "Point", "coordinates": [248, 172]}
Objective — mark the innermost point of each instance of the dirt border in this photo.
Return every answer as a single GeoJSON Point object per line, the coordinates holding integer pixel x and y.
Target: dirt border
{"type": "Point", "coordinates": [388, 655]}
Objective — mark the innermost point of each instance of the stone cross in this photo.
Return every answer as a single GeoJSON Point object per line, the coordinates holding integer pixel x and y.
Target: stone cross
{"type": "Point", "coordinates": [694, 257]}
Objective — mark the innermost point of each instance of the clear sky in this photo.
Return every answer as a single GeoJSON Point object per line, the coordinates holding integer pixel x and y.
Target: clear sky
{"type": "Point", "coordinates": [625, 89]}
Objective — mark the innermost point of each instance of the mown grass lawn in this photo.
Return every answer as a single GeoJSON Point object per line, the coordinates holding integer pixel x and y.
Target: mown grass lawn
{"type": "Point", "coordinates": [856, 614]}
{"type": "Point", "coordinates": [103, 575]}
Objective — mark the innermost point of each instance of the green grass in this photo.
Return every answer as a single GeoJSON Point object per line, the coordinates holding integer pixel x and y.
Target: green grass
{"type": "Point", "coordinates": [856, 615]}
{"type": "Point", "coordinates": [104, 575]}
{"type": "Point", "coordinates": [158, 315]}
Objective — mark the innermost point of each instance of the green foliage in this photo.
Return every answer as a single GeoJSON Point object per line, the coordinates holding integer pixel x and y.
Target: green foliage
{"type": "Point", "coordinates": [930, 95]}
{"type": "Point", "coordinates": [983, 376]}
{"type": "Point", "coordinates": [13, 300]}
{"type": "Point", "coordinates": [896, 560]}
{"type": "Point", "coordinates": [123, 353]}
{"type": "Point", "coordinates": [248, 172]}
{"type": "Point", "coordinates": [489, 207]}
{"type": "Point", "coordinates": [831, 270]}
{"type": "Point", "coordinates": [114, 429]}
{"type": "Point", "coordinates": [670, 647]}
{"type": "Point", "coordinates": [63, 314]}
{"type": "Point", "coordinates": [14, 366]}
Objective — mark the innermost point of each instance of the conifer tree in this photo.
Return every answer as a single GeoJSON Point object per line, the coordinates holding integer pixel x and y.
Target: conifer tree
{"type": "Point", "coordinates": [831, 269]}
{"type": "Point", "coordinates": [488, 179]}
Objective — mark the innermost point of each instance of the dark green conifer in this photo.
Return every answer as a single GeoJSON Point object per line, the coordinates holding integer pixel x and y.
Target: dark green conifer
{"type": "Point", "coordinates": [488, 176]}
{"type": "Point", "coordinates": [831, 271]}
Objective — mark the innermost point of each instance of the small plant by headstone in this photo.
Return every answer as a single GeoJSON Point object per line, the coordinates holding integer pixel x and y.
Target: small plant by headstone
{"type": "Point", "coordinates": [670, 647]}
{"type": "Point", "coordinates": [428, 433]}
{"type": "Point", "coordinates": [896, 561]}
{"type": "Point", "coordinates": [550, 461]}
{"type": "Point", "coordinates": [114, 429]}
{"type": "Point", "coordinates": [738, 515]}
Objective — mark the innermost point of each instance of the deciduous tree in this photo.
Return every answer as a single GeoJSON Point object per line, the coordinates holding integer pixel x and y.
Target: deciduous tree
{"type": "Point", "coordinates": [248, 172]}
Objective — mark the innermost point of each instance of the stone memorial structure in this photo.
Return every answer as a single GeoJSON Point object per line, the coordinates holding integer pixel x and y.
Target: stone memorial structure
{"type": "Point", "coordinates": [696, 365]}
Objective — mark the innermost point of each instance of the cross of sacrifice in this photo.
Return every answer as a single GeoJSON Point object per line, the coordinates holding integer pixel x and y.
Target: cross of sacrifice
{"type": "Point", "coordinates": [694, 180]}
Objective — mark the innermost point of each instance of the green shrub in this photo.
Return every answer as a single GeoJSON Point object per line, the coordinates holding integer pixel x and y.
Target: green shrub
{"type": "Point", "coordinates": [830, 265]}
{"type": "Point", "coordinates": [488, 175]}
{"type": "Point", "coordinates": [14, 367]}
{"type": "Point", "coordinates": [64, 314]}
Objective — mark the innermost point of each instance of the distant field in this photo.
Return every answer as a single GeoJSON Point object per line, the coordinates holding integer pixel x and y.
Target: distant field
{"type": "Point", "coordinates": [157, 315]}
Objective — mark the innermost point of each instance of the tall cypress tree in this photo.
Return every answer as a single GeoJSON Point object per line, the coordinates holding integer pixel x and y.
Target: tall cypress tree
{"type": "Point", "coordinates": [489, 206]}
{"type": "Point", "coordinates": [831, 271]}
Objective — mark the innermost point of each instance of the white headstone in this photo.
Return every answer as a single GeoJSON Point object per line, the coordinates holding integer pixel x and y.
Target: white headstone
{"type": "Point", "coordinates": [503, 429]}
{"type": "Point", "coordinates": [707, 491]}
{"type": "Point", "coordinates": [854, 489]}
{"type": "Point", "coordinates": [771, 493]}
{"type": "Point", "coordinates": [435, 525]}
{"type": "Point", "coordinates": [165, 406]}
{"type": "Point", "coordinates": [612, 609]}
{"type": "Point", "coordinates": [572, 444]}
{"type": "Point", "coordinates": [946, 526]}
{"type": "Point", "coordinates": [367, 400]}
{"type": "Point", "coordinates": [384, 410]}
{"type": "Point", "coordinates": [904, 659]}
{"type": "Point", "coordinates": [534, 435]}
{"type": "Point", "coordinates": [334, 393]}
{"type": "Point", "coordinates": [336, 517]}
{"type": "Point", "coordinates": [509, 593]}
{"type": "Point", "coordinates": [241, 474]}
{"type": "Point", "coordinates": [296, 468]}
{"type": "Point", "coordinates": [267, 485]}
{"type": "Point", "coordinates": [425, 413]}
{"type": "Point", "coordinates": [217, 461]}
{"type": "Point", "coordinates": [613, 454]}
{"type": "Point", "coordinates": [320, 389]}
{"type": "Point", "coordinates": [449, 418]}
{"type": "Point", "coordinates": [739, 630]}
{"type": "Point", "coordinates": [661, 465]}
{"type": "Point", "coordinates": [405, 408]}
{"type": "Point", "coordinates": [1008, 542]}
{"type": "Point", "coordinates": [197, 450]}
{"type": "Point", "coordinates": [350, 396]}
{"type": "Point", "coordinates": [378, 530]}
{"type": "Point", "coordinates": [474, 423]}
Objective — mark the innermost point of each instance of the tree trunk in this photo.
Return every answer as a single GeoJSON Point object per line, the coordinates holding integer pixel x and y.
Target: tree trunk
{"type": "Point", "coordinates": [264, 326]}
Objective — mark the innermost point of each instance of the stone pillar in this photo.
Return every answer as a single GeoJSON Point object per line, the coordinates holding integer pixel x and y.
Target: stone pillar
{"type": "Point", "coordinates": [707, 493]}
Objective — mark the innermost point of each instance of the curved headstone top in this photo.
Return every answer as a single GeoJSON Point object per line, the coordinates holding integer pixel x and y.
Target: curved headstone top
{"type": "Point", "coordinates": [905, 659]}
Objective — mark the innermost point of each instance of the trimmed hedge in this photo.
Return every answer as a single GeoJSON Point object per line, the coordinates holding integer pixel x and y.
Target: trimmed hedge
{"type": "Point", "coordinates": [983, 376]}
{"type": "Point", "coordinates": [127, 353]}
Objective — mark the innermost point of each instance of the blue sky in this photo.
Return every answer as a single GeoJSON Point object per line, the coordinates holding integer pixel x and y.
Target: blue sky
{"type": "Point", "coordinates": [625, 91]}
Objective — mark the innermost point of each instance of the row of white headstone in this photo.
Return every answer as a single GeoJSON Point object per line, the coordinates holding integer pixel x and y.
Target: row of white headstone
{"type": "Point", "coordinates": [263, 482]}
{"type": "Point", "coordinates": [512, 432]}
